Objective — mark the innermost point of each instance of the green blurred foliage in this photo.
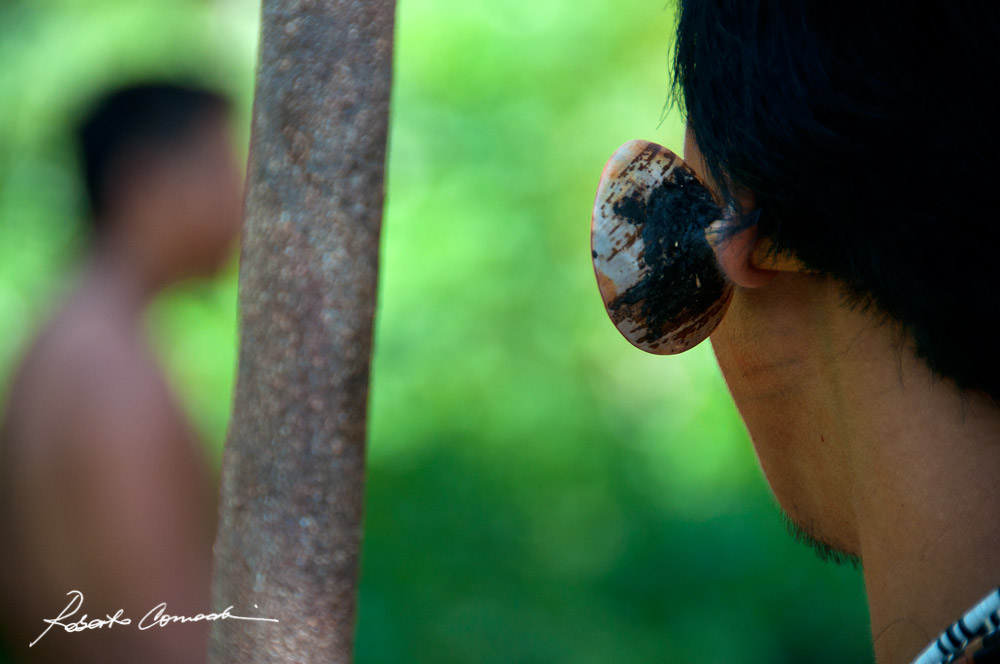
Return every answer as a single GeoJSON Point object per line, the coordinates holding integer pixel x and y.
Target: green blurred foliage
{"type": "Point", "coordinates": [539, 491]}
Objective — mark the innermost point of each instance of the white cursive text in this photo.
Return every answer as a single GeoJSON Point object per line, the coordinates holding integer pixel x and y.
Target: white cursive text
{"type": "Point", "coordinates": [156, 617]}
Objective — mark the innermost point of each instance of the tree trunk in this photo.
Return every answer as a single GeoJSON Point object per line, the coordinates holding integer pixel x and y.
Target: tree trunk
{"type": "Point", "coordinates": [293, 469]}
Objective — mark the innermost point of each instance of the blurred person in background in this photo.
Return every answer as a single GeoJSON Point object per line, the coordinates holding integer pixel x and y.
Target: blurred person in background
{"type": "Point", "coordinates": [861, 140]}
{"type": "Point", "coordinates": [104, 487]}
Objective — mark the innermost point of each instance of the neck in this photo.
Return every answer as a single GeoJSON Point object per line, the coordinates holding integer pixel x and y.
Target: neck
{"type": "Point", "coordinates": [924, 459]}
{"type": "Point", "coordinates": [119, 277]}
{"type": "Point", "coordinates": [869, 452]}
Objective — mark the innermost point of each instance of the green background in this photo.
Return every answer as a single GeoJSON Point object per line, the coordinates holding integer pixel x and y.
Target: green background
{"type": "Point", "coordinates": [538, 491]}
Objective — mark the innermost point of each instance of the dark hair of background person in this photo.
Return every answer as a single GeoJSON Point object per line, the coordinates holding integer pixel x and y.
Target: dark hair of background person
{"type": "Point", "coordinates": [141, 116]}
{"type": "Point", "coordinates": [869, 135]}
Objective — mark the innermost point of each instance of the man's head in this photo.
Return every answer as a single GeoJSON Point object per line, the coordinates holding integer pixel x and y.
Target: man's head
{"type": "Point", "coordinates": [865, 137]}
{"type": "Point", "coordinates": [849, 135]}
{"type": "Point", "coordinates": [161, 176]}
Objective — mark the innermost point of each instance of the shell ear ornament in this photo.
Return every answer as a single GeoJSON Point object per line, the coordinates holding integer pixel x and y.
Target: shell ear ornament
{"type": "Point", "coordinates": [657, 272]}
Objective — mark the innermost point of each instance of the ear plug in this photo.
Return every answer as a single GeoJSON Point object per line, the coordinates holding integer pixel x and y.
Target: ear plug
{"type": "Point", "coordinates": [658, 275]}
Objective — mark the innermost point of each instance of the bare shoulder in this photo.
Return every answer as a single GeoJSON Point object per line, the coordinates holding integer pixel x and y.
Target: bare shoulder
{"type": "Point", "coordinates": [90, 394]}
{"type": "Point", "coordinates": [81, 363]}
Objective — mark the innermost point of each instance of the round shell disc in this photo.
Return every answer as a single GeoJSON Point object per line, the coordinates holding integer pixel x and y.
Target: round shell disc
{"type": "Point", "coordinates": [657, 273]}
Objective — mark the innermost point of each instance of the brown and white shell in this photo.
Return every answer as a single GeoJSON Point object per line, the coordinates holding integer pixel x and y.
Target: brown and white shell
{"type": "Point", "coordinates": [657, 273]}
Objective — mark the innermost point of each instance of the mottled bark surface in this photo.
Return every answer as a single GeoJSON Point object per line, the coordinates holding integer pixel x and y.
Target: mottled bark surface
{"type": "Point", "coordinates": [292, 481]}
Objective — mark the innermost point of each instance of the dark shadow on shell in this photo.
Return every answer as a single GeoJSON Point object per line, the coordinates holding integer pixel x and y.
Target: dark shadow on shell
{"type": "Point", "coordinates": [668, 293]}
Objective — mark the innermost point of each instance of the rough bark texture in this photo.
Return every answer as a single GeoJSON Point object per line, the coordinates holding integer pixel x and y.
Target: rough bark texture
{"type": "Point", "coordinates": [292, 480]}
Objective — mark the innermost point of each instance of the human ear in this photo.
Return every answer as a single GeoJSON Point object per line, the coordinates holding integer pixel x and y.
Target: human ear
{"type": "Point", "coordinates": [665, 264]}
{"type": "Point", "coordinates": [744, 257]}
{"type": "Point", "coordinates": [740, 254]}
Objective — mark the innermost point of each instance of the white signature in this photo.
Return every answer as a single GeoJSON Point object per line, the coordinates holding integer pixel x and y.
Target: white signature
{"type": "Point", "coordinates": [155, 617]}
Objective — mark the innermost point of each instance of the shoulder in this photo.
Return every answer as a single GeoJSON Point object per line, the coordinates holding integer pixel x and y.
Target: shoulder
{"type": "Point", "coordinates": [90, 392]}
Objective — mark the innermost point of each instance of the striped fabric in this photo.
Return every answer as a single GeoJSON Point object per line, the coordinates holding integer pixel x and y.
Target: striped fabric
{"type": "Point", "coordinates": [972, 639]}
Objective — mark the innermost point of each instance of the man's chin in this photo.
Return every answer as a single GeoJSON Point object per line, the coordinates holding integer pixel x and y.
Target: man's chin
{"type": "Point", "coordinates": [827, 551]}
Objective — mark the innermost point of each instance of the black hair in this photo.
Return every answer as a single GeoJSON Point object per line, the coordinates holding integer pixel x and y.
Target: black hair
{"type": "Point", "coordinates": [147, 115]}
{"type": "Point", "coordinates": [868, 134]}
